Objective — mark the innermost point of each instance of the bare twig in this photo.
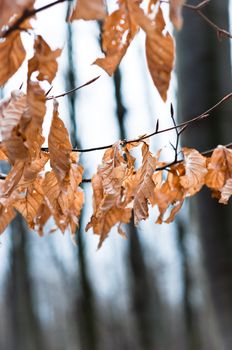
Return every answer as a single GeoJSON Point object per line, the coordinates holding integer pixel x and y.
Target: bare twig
{"type": "Point", "coordinates": [198, 9]}
{"type": "Point", "coordinates": [73, 90]}
{"type": "Point", "coordinates": [25, 15]}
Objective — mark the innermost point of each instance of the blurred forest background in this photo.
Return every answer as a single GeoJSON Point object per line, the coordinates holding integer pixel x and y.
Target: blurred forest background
{"type": "Point", "coordinates": [165, 287]}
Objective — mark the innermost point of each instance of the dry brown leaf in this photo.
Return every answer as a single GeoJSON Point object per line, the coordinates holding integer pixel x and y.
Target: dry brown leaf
{"type": "Point", "coordinates": [219, 168]}
{"type": "Point", "coordinates": [144, 190]}
{"type": "Point", "coordinates": [109, 203]}
{"type": "Point", "coordinates": [7, 214]}
{"type": "Point", "coordinates": [11, 112]}
{"type": "Point", "coordinates": [160, 55]}
{"type": "Point", "coordinates": [65, 203]}
{"type": "Point", "coordinates": [30, 201]}
{"type": "Point", "coordinates": [119, 30]}
{"type": "Point", "coordinates": [175, 13]}
{"type": "Point", "coordinates": [226, 192]}
{"type": "Point", "coordinates": [88, 10]}
{"type": "Point", "coordinates": [59, 146]}
{"type": "Point", "coordinates": [169, 194]}
{"type": "Point", "coordinates": [43, 214]}
{"type": "Point", "coordinates": [10, 7]}
{"type": "Point", "coordinates": [32, 121]}
{"type": "Point", "coordinates": [195, 171]}
{"type": "Point", "coordinates": [12, 55]}
{"type": "Point", "coordinates": [43, 61]}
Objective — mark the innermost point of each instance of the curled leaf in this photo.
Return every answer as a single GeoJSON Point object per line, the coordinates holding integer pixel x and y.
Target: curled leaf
{"type": "Point", "coordinates": [195, 171]}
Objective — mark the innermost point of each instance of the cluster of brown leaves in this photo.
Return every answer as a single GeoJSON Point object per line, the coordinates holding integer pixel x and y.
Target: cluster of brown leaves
{"type": "Point", "coordinates": [119, 29]}
{"type": "Point", "coordinates": [43, 184]}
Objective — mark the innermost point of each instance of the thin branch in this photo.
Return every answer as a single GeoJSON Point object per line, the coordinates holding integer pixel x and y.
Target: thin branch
{"type": "Point", "coordinates": [73, 90]}
{"type": "Point", "coordinates": [198, 9]}
{"type": "Point", "coordinates": [28, 14]}
{"type": "Point", "coordinates": [156, 132]}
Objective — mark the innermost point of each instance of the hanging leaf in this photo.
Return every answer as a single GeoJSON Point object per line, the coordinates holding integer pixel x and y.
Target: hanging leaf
{"type": "Point", "coordinates": [119, 30]}
{"type": "Point", "coordinates": [169, 194]}
{"type": "Point", "coordinates": [9, 8]}
{"type": "Point", "coordinates": [59, 146]}
{"type": "Point", "coordinates": [12, 55]}
{"type": "Point", "coordinates": [226, 192]}
{"type": "Point", "coordinates": [43, 61]}
{"type": "Point", "coordinates": [7, 214]}
{"type": "Point", "coordinates": [109, 205]}
{"type": "Point", "coordinates": [88, 10]}
{"type": "Point", "coordinates": [144, 191]}
{"type": "Point", "coordinates": [195, 171]}
{"type": "Point", "coordinates": [160, 55]}
{"type": "Point", "coordinates": [175, 13]}
{"type": "Point", "coordinates": [30, 202]}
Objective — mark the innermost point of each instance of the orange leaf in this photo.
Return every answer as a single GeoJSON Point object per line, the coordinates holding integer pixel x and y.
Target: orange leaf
{"type": "Point", "coordinates": [144, 190]}
{"type": "Point", "coordinates": [59, 146]}
{"type": "Point", "coordinates": [43, 61]}
{"type": "Point", "coordinates": [88, 10]}
{"type": "Point", "coordinates": [160, 55]}
{"type": "Point", "coordinates": [30, 202]}
{"type": "Point", "coordinates": [169, 194]}
{"type": "Point", "coordinates": [12, 55]}
{"type": "Point", "coordinates": [226, 192]}
{"type": "Point", "coordinates": [219, 168]}
{"type": "Point", "coordinates": [7, 214]}
{"type": "Point", "coordinates": [108, 195]}
{"type": "Point", "coordinates": [195, 171]}
{"type": "Point", "coordinates": [118, 31]}
{"type": "Point", "coordinates": [11, 7]}
{"type": "Point", "coordinates": [175, 13]}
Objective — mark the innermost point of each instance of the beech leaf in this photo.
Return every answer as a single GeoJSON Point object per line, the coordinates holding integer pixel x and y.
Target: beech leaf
{"type": "Point", "coordinates": [88, 10]}
{"type": "Point", "coordinates": [160, 55]}
{"type": "Point", "coordinates": [12, 55]}
{"type": "Point", "coordinates": [59, 146]}
{"type": "Point", "coordinates": [43, 61]}
{"type": "Point", "coordinates": [175, 13]}
{"type": "Point", "coordinates": [118, 31]}
{"type": "Point", "coordinates": [195, 171]}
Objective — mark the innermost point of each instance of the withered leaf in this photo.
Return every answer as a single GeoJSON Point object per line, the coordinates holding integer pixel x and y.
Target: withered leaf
{"type": "Point", "coordinates": [160, 55]}
{"type": "Point", "coordinates": [195, 171]}
{"type": "Point", "coordinates": [59, 146]}
{"type": "Point", "coordinates": [43, 61]}
{"type": "Point", "coordinates": [169, 194]}
{"type": "Point", "coordinates": [12, 55]}
{"type": "Point", "coordinates": [144, 191]}
{"type": "Point", "coordinates": [226, 192]}
{"type": "Point", "coordinates": [219, 168]}
{"type": "Point", "coordinates": [7, 214]}
{"type": "Point", "coordinates": [175, 13]}
{"type": "Point", "coordinates": [88, 10]}
{"type": "Point", "coordinates": [10, 7]}
{"type": "Point", "coordinates": [119, 30]}
{"type": "Point", "coordinates": [108, 203]}
{"type": "Point", "coordinates": [30, 201]}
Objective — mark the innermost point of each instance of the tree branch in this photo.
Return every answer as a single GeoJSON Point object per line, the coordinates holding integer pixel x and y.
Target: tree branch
{"type": "Point", "coordinates": [28, 14]}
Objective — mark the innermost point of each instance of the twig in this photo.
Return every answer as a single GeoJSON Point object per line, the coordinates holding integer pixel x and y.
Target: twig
{"type": "Point", "coordinates": [73, 90]}
{"type": "Point", "coordinates": [198, 9]}
{"type": "Point", "coordinates": [28, 14]}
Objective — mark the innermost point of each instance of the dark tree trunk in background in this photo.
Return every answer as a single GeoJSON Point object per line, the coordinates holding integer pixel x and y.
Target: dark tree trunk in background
{"type": "Point", "coordinates": [85, 313]}
{"type": "Point", "coordinates": [144, 295]}
{"type": "Point", "coordinates": [204, 76]}
{"type": "Point", "coordinates": [26, 333]}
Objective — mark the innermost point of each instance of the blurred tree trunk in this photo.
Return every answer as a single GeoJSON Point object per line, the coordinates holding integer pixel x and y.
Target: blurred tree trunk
{"type": "Point", "coordinates": [144, 294]}
{"type": "Point", "coordinates": [85, 304]}
{"type": "Point", "coordinates": [204, 76]}
{"type": "Point", "coordinates": [24, 324]}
